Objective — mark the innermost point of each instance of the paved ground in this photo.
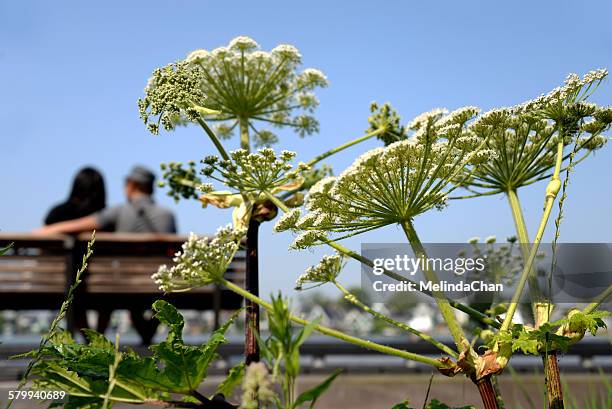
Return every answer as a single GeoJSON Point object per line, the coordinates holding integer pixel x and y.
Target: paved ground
{"type": "Point", "coordinates": [382, 391]}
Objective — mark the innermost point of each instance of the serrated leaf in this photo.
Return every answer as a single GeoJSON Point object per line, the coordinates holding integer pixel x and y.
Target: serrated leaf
{"type": "Point", "coordinates": [402, 405]}
{"type": "Point", "coordinates": [97, 340]}
{"type": "Point", "coordinates": [168, 315]}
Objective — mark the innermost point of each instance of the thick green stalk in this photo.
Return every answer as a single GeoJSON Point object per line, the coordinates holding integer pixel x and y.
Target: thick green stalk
{"type": "Point", "coordinates": [338, 334]}
{"type": "Point", "coordinates": [475, 314]}
{"type": "Point", "coordinates": [541, 310]}
{"type": "Point", "coordinates": [519, 221]}
{"type": "Point", "coordinates": [244, 134]}
{"type": "Point", "coordinates": [441, 300]}
{"type": "Point", "coordinates": [521, 230]}
{"type": "Point", "coordinates": [215, 140]}
{"type": "Point", "coordinates": [344, 146]}
{"type": "Point", "coordinates": [350, 297]}
{"type": "Point", "coordinates": [551, 193]}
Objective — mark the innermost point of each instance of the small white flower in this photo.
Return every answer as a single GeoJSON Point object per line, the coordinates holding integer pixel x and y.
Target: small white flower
{"type": "Point", "coordinates": [325, 271]}
{"type": "Point", "coordinates": [287, 221]}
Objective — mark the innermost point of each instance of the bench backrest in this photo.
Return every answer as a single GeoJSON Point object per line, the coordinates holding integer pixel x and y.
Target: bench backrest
{"type": "Point", "coordinates": [34, 264]}
{"type": "Point", "coordinates": [122, 263]}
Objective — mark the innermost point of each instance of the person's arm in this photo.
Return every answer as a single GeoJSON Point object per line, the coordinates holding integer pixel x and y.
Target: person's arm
{"type": "Point", "coordinates": [86, 223]}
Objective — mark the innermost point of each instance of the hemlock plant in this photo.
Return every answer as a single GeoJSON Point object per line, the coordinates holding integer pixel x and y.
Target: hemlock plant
{"type": "Point", "coordinates": [421, 165]}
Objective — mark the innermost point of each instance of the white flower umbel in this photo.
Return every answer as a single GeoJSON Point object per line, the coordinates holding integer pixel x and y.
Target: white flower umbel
{"type": "Point", "coordinates": [327, 270]}
{"type": "Point", "coordinates": [394, 184]}
{"type": "Point", "coordinates": [255, 173]}
{"type": "Point", "coordinates": [244, 87]}
{"type": "Point", "coordinates": [201, 261]}
{"type": "Point", "coordinates": [526, 136]}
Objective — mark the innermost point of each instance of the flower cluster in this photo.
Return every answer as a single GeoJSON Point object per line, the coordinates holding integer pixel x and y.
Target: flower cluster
{"type": "Point", "coordinates": [327, 270]}
{"type": "Point", "coordinates": [183, 182]}
{"type": "Point", "coordinates": [396, 183]}
{"type": "Point", "coordinates": [387, 120]}
{"type": "Point", "coordinates": [243, 85]}
{"type": "Point", "coordinates": [201, 261]}
{"type": "Point", "coordinates": [255, 173]}
{"type": "Point", "coordinates": [257, 388]}
{"type": "Point", "coordinates": [526, 136]}
{"type": "Point", "coordinates": [173, 95]}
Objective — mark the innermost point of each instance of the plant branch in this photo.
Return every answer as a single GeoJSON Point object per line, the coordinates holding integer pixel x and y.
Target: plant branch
{"type": "Point", "coordinates": [338, 334]}
{"type": "Point", "coordinates": [441, 300]}
{"type": "Point", "coordinates": [344, 146]}
{"type": "Point", "coordinates": [350, 297]}
{"type": "Point", "coordinates": [598, 300]}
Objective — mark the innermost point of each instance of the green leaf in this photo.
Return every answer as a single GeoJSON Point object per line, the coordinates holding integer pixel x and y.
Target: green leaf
{"type": "Point", "coordinates": [591, 322]}
{"type": "Point", "coordinates": [307, 331]}
{"type": "Point", "coordinates": [97, 340]}
{"type": "Point", "coordinates": [184, 366]}
{"type": "Point", "coordinates": [168, 315]}
{"type": "Point", "coordinates": [313, 394]}
{"type": "Point", "coordinates": [232, 380]}
{"type": "Point", "coordinates": [526, 343]}
{"type": "Point", "coordinates": [402, 405]}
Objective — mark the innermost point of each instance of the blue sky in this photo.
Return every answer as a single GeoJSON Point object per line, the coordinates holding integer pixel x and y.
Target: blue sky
{"type": "Point", "coordinates": [71, 73]}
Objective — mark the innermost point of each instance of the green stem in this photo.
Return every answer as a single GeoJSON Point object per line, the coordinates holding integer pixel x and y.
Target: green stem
{"type": "Point", "coordinates": [551, 193]}
{"type": "Point", "coordinates": [344, 146]}
{"type": "Point", "coordinates": [335, 333]}
{"type": "Point", "coordinates": [599, 300]}
{"type": "Point", "coordinates": [244, 134]}
{"type": "Point", "coordinates": [215, 140]}
{"type": "Point", "coordinates": [350, 297]}
{"type": "Point", "coordinates": [519, 221]}
{"type": "Point", "coordinates": [523, 237]}
{"type": "Point", "coordinates": [475, 314]}
{"type": "Point", "coordinates": [441, 300]}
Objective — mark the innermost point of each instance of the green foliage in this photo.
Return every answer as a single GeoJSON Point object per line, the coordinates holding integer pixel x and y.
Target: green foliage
{"type": "Point", "coordinates": [282, 353]}
{"type": "Point", "coordinates": [54, 334]}
{"type": "Point", "coordinates": [182, 183]}
{"type": "Point", "coordinates": [97, 371]}
{"type": "Point", "coordinates": [578, 321]}
{"type": "Point", "coordinates": [549, 336]}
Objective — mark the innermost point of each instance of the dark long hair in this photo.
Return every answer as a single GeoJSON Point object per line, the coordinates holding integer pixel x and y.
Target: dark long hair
{"type": "Point", "coordinates": [88, 193]}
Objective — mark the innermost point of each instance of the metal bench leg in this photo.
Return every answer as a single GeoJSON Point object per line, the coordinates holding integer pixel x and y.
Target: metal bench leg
{"type": "Point", "coordinates": [146, 328]}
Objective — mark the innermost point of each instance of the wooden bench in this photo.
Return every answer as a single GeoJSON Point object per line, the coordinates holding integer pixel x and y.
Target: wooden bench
{"type": "Point", "coordinates": [37, 271]}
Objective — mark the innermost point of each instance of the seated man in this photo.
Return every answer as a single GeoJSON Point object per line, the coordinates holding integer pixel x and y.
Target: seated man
{"type": "Point", "coordinates": [139, 214]}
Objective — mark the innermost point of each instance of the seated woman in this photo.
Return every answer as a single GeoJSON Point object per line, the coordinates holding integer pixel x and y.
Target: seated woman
{"type": "Point", "coordinates": [87, 196]}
